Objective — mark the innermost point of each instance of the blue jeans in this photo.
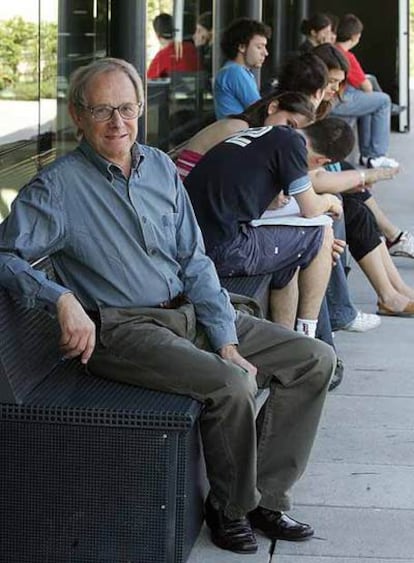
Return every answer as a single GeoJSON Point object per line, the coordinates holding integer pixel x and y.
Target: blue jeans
{"type": "Point", "coordinates": [341, 309]}
{"type": "Point", "coordinates": [373, 110]}
{"type": "Point", "coordinates": [324, 328]}
{"type": "Point", "coordinates": [337, 310]}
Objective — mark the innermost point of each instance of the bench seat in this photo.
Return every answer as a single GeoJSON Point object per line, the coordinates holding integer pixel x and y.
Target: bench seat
{"type": "Point", "coordinates": [93, 471]}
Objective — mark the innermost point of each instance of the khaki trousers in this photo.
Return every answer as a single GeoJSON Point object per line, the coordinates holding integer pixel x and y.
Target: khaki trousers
{"type": "Point", "coordinates": [165, 349]}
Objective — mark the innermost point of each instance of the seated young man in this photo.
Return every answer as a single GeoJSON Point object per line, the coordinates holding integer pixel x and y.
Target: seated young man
{"type": "Point", "coordinates": [244, 46]}
{"type": "Point", "coordinates": [373, 109]}
{"type": "Point", "coordinates": [140, 302]}
{"type": "Point", "coordinates": [237, 180]}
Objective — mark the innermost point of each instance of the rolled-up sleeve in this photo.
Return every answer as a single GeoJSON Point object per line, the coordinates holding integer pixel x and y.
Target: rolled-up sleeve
{"type": "Point", "coordinates": [34, 228]}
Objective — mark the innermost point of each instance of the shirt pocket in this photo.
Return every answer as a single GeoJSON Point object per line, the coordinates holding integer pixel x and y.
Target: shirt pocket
{"type": "Point", "coordinates": [168, 230]}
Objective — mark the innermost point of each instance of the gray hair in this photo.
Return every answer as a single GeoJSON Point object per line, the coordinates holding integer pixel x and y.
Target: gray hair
{"type": "Point", "coordinates": [81, 77]}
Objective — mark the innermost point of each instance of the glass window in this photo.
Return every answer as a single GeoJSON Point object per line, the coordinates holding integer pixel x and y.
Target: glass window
{"type": "Point", "coordinates": [179, 100]}
{"type": "Point", "coordinates": [41, 42]}
{"type": "Point", "coordinates": [19, 96]}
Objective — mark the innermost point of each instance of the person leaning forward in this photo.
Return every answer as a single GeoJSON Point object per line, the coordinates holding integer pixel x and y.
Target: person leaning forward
{"type": "Point", "coordinates": [120, 231]}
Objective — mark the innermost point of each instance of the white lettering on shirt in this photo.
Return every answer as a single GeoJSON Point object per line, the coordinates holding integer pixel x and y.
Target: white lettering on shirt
{"type": "Point", "coordinates": [245, 137]}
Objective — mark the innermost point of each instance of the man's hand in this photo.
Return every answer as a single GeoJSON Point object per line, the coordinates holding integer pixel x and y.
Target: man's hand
{"type": "Point", "coordinates": [338, 247]}
{"type": "Point", "coordinates": [377, 174]}
{"type": "Point", "coordinates": [230, 352]}
{"type": "Point", "coordinates": [78, 331]}
{"type": "Point", "coordinates": [279, 201]}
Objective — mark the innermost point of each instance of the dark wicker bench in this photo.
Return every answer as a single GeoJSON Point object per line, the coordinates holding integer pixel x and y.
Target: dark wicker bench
{"type": "Point", "coordinates": [92, 471]}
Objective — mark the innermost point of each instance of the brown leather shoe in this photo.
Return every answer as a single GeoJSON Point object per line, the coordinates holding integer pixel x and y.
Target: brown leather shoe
{"type": "Point", "coordinates": [408, 310]}
{"type": "Point", "coordinates": [278, 525]}
{"type": "Point", "coordinates": [234, 535]}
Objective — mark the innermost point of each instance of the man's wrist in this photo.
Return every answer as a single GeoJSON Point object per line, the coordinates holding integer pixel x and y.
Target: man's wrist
{"type": "Point", "coordinates": [231, 346]}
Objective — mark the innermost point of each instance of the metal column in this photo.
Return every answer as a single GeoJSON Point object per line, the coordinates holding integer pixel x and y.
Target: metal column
{"type": "Point", "coordinates": [127, 39]}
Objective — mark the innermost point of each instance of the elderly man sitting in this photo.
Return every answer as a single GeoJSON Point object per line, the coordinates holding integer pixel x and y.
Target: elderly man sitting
{"type": "Point", "coordinates": [139, 301]}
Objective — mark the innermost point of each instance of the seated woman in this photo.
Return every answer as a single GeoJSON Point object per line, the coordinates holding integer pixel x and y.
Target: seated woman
{"type": "Point", "coordinates": [303, 81]}
{"type": "Point", "coordinates": [290, 108]}
{"type": "Point", "coordinates": [203, 40]}
{"type": "Point", "coordinates": [317, 30]}
{"type": "Point", "coordinates": [398, 241]}
{"type": "Point", "coordinates": [305, 73]}
{"type": "Point", "coordinates": [362, 232]}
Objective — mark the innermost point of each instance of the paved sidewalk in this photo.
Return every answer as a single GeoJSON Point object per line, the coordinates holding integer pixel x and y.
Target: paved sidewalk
{"type": "Point", "coordinates": [358, 491]}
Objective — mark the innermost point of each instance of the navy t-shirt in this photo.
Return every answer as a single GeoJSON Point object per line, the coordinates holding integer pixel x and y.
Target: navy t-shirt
{"type": "Point", "coordinates": [237, 179]}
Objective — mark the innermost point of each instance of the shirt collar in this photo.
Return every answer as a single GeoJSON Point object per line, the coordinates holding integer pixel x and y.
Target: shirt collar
{"type": "Point", "coordinates": [105, 166]}
{"type": "Point", "coordinates": [233, 63]}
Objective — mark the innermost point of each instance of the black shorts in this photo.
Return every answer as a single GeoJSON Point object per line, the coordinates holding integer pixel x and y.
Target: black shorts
{"type": "Point", "coordinates": [362, 232]}
{"type": "Point", "coordinates": [279, 250]}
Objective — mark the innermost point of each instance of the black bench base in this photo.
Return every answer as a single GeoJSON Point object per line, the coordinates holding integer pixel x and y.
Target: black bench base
{"type": "Point", "coordinates": [92, 471]}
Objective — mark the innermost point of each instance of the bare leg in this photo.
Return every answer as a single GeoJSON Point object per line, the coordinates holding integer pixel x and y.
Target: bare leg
{"type": "Point", "coordinates": [313, 280]}
{"type": "Point", "coordinates": [284, 303]}
{"type": "Point", "coordinates": [388, 228]}
{"type": "Point", "coordinates": [304, 294]}
{"type": "Point", "coordinates": [394, 275]}
{"type": "Point", "coordinates": [372, 265]}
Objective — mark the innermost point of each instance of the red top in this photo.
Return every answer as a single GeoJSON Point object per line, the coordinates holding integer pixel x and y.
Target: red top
{"type": "Point", "coordinates": [165, 61]}
{"type": "Point", "coordinates": [186, 160]}
{"type": "Point", "coordinates": [356, 75]}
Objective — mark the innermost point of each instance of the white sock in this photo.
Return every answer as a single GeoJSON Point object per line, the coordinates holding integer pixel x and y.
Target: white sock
{"type": "Point", "coordinates": [307, 326]}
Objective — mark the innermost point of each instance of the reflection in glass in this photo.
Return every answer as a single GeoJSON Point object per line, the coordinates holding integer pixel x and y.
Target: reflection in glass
{"type": "Point", "coordinates": [179, 98]}
{"type": "Point", "coordinates": [19, 95]}
{"type": "Point", "coordinates": [41, 42]}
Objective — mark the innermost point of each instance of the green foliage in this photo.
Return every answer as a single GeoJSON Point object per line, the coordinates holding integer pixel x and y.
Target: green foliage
{"type": "Point", "coordinates": [155, 7]}
{"type": "Point", "coordinates": [18, 44]}
{"type": "Point", "coordinates": [30, 90]}
{"type": "Point", "coordinates": [21, 69]}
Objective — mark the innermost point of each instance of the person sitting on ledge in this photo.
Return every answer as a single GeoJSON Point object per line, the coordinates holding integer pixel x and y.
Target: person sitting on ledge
{"type": "Point", "coordinates": [359, 100]}
{"type": "Point", "coordinates": [317, 31]}
{"type": "Point", "coordinates": [244, 45]}
{"type": "Point", "coordinates": [168, 60]}
{"type": "Point", "coordinates": [140, 302]}
{"type": "Point", "coordinates": [238, 179]}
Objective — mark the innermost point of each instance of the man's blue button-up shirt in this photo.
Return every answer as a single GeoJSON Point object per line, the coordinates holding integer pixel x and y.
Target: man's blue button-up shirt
{"type": "Point", "coordinates": [114, 241]}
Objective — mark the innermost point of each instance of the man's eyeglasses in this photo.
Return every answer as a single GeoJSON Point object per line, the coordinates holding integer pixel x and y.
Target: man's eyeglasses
{"type": "Point", "coordinates": [128, 110]}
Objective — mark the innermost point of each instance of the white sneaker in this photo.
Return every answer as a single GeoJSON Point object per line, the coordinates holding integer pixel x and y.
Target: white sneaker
{"type": "Point", "coordinates": [363, 322]}
{"type": "Point", "coordinates": [404, 247]}
{"type": "Point", "coordinates": [382, 162]}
